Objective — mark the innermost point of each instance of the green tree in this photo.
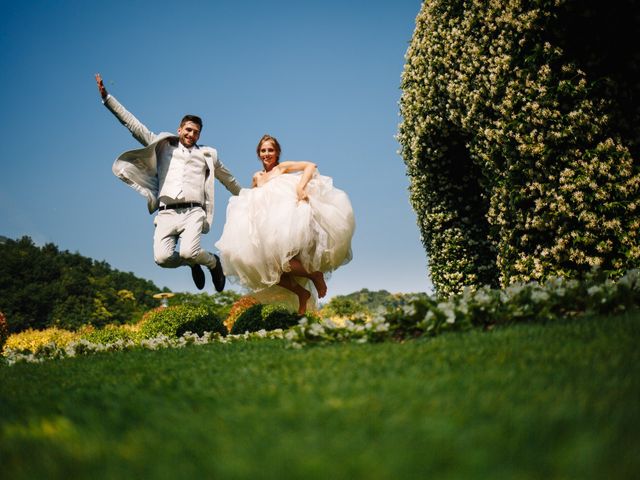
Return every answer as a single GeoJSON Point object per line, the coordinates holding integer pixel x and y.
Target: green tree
{"type": "Point", "coordinates": [40, 287]}
{"type": "Point", "coordinates": [369, 302]}
{"type": "Point", "coordinates": [344, 307]}
{"type": "Point", "coordinates": [219, 303]}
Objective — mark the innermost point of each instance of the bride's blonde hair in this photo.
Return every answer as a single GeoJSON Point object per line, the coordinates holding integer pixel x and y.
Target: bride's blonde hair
{"type": "Point", "coordinates": [273, 140]}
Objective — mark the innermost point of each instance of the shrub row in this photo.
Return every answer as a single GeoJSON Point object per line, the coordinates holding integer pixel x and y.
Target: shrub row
{"type": "Point", "coordinates": [554, 299]}
{"type": "Point", "coordinates": [485, 308]}
{"type": "Point", "coordinates": [171, 322]}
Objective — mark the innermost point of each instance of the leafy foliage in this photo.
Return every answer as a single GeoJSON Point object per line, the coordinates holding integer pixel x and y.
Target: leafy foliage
{"type": "Point", "coordinates": [341, 306]}
{"type": "Point", "coordinates": [367, 302]}
{"type": "Point", "coordinates": [112, 333]}
{"type": "Point", "coordinates": [35, 341]}
{"type": "Point", "coordinates": [219, 303]}
{"type": "Point", "coordinates": [485, 308]}
{"type": "Point", "coordinates": [4, 330]}
{"type": "Point", "coordinates": [43, 287]}
{"type": "Point", "coordinates": [237, 309]}
{"type": "Point", "coordinates": [264, 317]}
{"type": "Point", "coordinates": [175, 321]}
{"type": "Point", "coordinates": [552, 300]}
{"type": "Point", "coordinates": [521, 137]}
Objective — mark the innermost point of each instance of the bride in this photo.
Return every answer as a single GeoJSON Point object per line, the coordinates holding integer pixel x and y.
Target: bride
{"type": "Point", "coordinates": [290, 229]}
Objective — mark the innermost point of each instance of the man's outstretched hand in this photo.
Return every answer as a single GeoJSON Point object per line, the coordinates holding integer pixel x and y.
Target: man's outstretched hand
{"type": "Point", "coordinates": [103, 91]}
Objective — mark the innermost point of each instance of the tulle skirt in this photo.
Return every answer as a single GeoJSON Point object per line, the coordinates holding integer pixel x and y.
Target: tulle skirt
{"type": "Point", "coordinates": [267, 226]}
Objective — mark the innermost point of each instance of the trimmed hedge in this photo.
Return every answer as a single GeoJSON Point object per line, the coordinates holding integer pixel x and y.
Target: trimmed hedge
{"type": "Point", "coordinates": [521, 137]}
{"type": "Point", "coordinates": [175, 321]}
{"type": "Point", "coordinates": [264, 317]}
{"type": "Point", "coordinates": [111, 334]}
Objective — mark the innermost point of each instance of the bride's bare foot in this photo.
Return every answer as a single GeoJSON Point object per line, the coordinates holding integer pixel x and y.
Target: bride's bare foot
{"type": "Point", "coordinates": [303, 297]}
{"type": "Point", "coordinates": [318, 281]}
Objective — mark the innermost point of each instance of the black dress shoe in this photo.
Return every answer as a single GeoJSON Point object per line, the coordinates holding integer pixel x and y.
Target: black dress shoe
{"type": "Point", "coordinates": [198, 276]}
{"type": "Point", "coordinates": [217, 275]}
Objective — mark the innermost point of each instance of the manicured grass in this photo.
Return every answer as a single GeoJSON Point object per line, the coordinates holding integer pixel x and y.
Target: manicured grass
{"type": "Point", "coordinates": [527, 401]}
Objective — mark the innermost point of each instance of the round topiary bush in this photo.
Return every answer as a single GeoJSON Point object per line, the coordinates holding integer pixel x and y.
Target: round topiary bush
{"type": "Point", "coordinates": [267, 317]}
{"type": "Point", "coordinates": [175, 321]}
{"type": "Point", "coordinates": [4, 330]}
{"type": "Point", "coordinates": [278, 316]}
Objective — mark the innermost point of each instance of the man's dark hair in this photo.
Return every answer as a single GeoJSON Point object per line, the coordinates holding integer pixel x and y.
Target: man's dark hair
{"type": "Point", "coordinates": [191, 118]}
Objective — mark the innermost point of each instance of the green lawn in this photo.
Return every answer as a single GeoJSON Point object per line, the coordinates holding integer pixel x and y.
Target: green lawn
{"type": "Point", "coordinates": [527, 401]}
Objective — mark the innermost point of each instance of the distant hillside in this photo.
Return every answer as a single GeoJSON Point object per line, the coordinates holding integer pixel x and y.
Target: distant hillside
{"type": "Point", "coordinates": [43, 286]}
{"type": "Point", "coordinates": [370, 301]}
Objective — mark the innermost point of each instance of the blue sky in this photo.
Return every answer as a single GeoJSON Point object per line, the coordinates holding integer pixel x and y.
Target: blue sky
{"type": "Point", "coordinates": [323, 77]}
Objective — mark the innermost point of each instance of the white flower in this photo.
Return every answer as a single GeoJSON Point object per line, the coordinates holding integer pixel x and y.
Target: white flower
{"type": "Point", "coordinates": [539, 296]}
{"type": "Point", "coordinates": [316, 329]}
{"type": "Point", "coordinates": [594, 290]}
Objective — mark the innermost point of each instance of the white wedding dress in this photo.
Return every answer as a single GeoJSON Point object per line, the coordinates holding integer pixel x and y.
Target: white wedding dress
{"type": "Point", "coordinates": [266, 226]}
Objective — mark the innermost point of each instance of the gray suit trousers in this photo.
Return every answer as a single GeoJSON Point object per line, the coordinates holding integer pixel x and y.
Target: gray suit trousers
{"type": "Point", "coordinates": [185, 224]}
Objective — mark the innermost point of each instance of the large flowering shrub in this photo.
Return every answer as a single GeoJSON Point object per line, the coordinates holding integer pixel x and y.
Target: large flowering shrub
{"type": "Point", "coordinates": [519, 134]}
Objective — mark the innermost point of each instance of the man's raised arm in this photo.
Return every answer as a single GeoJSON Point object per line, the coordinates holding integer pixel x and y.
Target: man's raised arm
{"type": "Point", "coordinates": [135, 126]}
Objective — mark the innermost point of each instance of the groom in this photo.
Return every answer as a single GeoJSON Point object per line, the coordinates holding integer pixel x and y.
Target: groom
{"type": "Point", "coordinates": [175, 174]}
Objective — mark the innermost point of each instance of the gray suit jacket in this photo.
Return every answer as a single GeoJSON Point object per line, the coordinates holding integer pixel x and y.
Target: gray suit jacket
{"type": "Point", "coordinates": [138, 168]}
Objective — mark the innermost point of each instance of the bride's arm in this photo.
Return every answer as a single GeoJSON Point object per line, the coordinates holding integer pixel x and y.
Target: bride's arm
{"type": "Point", "coordinates": [307, 168]}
